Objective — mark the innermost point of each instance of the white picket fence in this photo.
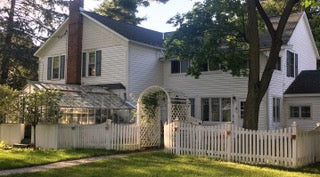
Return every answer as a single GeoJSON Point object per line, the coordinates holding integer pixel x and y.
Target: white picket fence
{"type": "Point", "coordinates": [288, 147]}
{"type": "Point", "coordinates": [107, 135]}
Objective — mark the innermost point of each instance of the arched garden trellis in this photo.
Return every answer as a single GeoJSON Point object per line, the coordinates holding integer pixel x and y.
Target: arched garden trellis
{"type": "Point", "coordinates": [157, 105]}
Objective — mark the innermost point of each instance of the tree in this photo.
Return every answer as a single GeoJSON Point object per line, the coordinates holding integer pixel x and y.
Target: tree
{"type": "Point", "coordinates": [40, 106]}
{"type": "Point", "coordinates": [123, 10]}
{"type": "Point", "coordinates": [24, 23]}
{"type": "Point", "coordinates": [275, 7]}
{"type": "Point", "coordinates": [223, 33]}
{"type": "Point", "coordinates": [8, 103]}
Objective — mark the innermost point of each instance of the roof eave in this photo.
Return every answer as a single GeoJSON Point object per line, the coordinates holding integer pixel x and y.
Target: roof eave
{"type": "Point", "coordinates": [290, 95]}
{"type": "Point", "coordinates": [36, 54]}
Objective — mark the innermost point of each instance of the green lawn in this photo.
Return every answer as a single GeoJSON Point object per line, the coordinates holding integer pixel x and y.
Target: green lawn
{"type": "Point", "coordinates": [162, 165]}
{"type": "Point", "coordinates": [15, 158]}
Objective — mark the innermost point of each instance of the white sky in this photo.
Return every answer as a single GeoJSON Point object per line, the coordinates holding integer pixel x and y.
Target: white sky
{"type": "Point", "coordinates": [157, 13]}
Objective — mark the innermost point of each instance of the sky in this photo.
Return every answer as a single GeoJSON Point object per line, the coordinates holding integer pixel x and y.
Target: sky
{"type": "Point", "coordinates": [157, 14]}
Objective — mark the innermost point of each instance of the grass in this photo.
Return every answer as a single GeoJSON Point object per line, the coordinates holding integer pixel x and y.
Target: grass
{"type": "Point", "coordinates": [17, 158]}
{"type": "Point", "coordinates": [164, 165]}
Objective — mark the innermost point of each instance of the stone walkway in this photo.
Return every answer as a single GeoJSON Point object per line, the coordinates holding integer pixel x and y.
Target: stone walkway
{"type": "Point", "coordinates": [62, 164]}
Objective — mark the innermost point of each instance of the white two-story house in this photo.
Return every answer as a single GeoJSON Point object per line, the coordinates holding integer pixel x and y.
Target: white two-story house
{"type": "Point", "coordinates": [92, 50]}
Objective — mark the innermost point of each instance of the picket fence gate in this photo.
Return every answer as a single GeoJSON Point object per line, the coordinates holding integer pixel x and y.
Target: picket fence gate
{"type": "Point", "coordinates": [107, 136]}
{"type": "Point", "coordinates": [288, 147]}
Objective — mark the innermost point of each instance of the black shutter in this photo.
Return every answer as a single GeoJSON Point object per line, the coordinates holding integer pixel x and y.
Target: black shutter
{"type": "Point", "coordinates": [49, 68]}
{"type": "Point", "coordinates": [296, 62]}
{"type": "Point", "coordinates": [84, 64]}
{"type": "Point", "coordinates": [62, 64]}
{"type": "Point", "coordinates": [288, 64]}
{"type": "Point", "coordinates": [98, 63]}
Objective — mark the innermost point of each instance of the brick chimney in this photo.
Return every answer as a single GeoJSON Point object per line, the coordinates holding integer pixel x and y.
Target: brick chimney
{"type": "Point", "coordinates": [74, 42]}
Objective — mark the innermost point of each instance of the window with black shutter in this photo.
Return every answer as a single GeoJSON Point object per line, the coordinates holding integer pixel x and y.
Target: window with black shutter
{"type": "Point", "coordinates": [98, 63]}
{"type": "Point", "coordinates": [62, 66]}
{"type": "Point", "coordinates": [49, 68]}
{"type": "Point", "coordinates": [84, 64]}
{"type": "Point", "coordinates": [291, 64]}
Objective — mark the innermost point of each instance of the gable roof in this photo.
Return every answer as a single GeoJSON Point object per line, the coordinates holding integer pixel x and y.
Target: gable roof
{"type": "Point", "coordinates": [307, 82]}
{"type": "Point", "coordinates": [131, 32]}
{"type": "Point", "coordinates": [265, 39]}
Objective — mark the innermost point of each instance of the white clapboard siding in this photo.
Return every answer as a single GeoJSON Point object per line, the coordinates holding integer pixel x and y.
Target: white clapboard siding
{"type": "Point", "coordinates": [288, 147]}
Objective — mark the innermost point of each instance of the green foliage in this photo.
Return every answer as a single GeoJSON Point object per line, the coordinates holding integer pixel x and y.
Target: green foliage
{"type": "Point", "coordinates": [150, 104]}
{"type": "Point", "coordinates": [23, 26]}
{"type": "Point", "coordinates": [8, 103]}
{"type": "Point", "coordinates": [213, 32]}
{"type": "Point", "coordinates": [123, 10]}
{"type": "Point", "coordinates": [311, 7]}
{"type": "Point", "coordinates": [41, 105]}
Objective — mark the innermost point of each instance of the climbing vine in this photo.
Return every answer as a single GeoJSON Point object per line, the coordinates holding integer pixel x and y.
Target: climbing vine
{"type": "Point", "coordinates": [150, 104]}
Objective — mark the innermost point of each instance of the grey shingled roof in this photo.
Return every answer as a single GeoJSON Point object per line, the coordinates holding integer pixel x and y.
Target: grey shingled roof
{"type": "Point", "coordinates": [131, 32]}
{"type": "Point", "coordinates": [265, 39]}
{"type": "Point", "coordinates": [307, 82]}
{"type": "Point", "coordinates": [155, 38]}
{"type": "Point", "coordinates": [81, 96]}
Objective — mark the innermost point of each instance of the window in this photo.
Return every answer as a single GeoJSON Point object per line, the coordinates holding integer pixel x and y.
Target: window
{"type": "Point", "coordinates": [179, 66]}
{"type": "Point", "coordinates": [242, 104]}
{"type": "Point", "coordinates": [292, 64]}
{"type": "Point", "coordinates": [300, 112]}
{"type": "Point", "coordinates": [216, 109]}
{"type": "Point", "coordinates": [192, 102]}
{"type": "Point", "coordinates": [276, 109]}
{"type": "Point", "coordinates": [92, 64]}
{"type": "Point", "coordinates": [205, 109]}
{"type": "Point", "coordinates": [278, 64]}
{"type": "Point", "coordinates": [55, 68]}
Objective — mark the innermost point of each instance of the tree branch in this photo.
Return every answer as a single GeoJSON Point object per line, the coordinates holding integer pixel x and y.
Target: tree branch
{"type": "Point", "coordinates": [265, 18]}
{"type": "Point", "coordinates": [284, 17]}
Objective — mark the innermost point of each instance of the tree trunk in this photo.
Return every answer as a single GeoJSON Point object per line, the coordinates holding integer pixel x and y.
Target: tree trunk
{"type": "Point", "coordinates": [252, 103]}
{"type": "Point", "coordinates": [256, 87]}
{"type": "Point", "coordinates": [8, 45]}
{"type": "Point", "coordinates": [34, 136]}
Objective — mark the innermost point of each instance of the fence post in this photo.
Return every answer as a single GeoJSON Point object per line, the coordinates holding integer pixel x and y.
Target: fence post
{"type": "Point", "coordinates": [177, 132]}
{"type": "Point", "coordinates": [229, 140]}
{"type": "Point", "coordinates": [294, 137]}
{"type": "Point", "coordinates": [108, 134]}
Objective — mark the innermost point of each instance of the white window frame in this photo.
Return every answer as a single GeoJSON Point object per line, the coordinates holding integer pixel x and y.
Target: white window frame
{"type": "Point", "coordinates": [180, 68]}
{"type": "Point", "coordinates": [300, 112]}
{"type": "Point", "coordinates": [294, 64]}
{"type": "Point", "coordinates": [220, 108]}
{"type": "Point", "coordinates": [88, 62]}
{"type": "Point", "coordinates": [276, 114]}
{"type": "Point", "coordinates": [59, 59]}
{"type": "Point", "coordinates": [240, 109]}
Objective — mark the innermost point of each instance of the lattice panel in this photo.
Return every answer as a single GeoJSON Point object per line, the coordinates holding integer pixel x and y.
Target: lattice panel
{"type": "Point", "coordinates": [180, 111]}
{"type": "Point", "coordinates": [150, 135]}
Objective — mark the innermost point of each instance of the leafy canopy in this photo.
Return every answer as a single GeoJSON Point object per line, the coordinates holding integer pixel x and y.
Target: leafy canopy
{"type": "Point", "coordinates": [123, 10]}
{"type": "Point", "coordinates": [41, 105]}
{"type": "Point", "coordinates": [212, 33]}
